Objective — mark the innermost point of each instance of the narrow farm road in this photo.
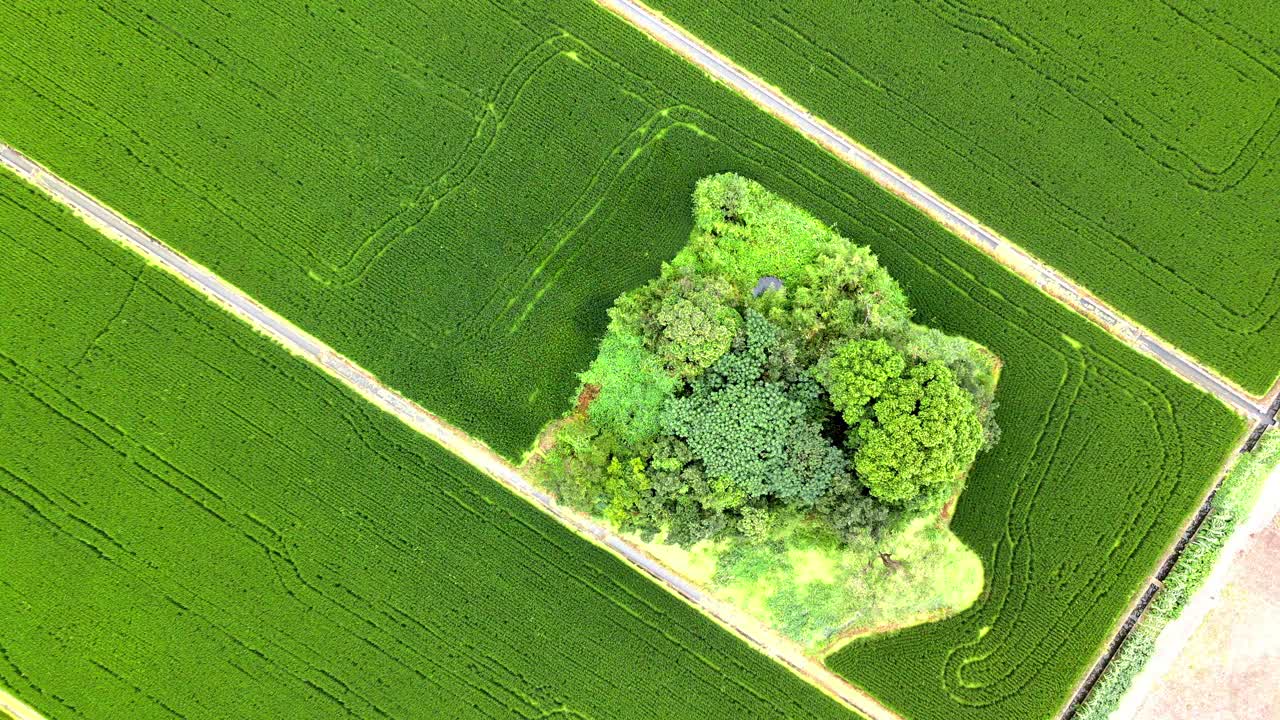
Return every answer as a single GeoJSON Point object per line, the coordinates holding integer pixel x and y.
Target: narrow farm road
{"type": "Point", "coordinates": [891, 178]}
{"type": "Point", "coordinates": [475, 453]}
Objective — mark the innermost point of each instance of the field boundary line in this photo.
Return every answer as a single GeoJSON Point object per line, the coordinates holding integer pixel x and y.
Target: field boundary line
{"type": "Point", "coordinates": [894, 180]}
{"type": "Point", "coordinates": [1270, 497]}
{"type": "Point", "coordinates": [305, 346]}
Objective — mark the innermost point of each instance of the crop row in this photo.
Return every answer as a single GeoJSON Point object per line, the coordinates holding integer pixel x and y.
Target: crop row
{"type": "Point", "coordinates": [491, 299]}
{"type": "Point", "coordinates": [1132, 145]}
{"type": "Point", "coordinates": [199, 525]}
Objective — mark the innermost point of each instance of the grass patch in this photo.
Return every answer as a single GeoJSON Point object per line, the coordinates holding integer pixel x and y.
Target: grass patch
{"type": "Point", "coordinates": [817, 592]}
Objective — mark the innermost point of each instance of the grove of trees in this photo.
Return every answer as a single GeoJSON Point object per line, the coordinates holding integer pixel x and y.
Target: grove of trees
{"type": "Point", "coordinates": [712, 412]}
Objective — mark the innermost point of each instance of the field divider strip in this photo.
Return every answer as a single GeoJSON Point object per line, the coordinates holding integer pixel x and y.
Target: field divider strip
{"type": "Point", "coordinates": [893, 179]}
{"type": "Point", "coordinates": [475, 453]}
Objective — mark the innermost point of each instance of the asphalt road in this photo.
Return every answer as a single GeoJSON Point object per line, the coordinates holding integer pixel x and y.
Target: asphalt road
{"type": "Point", "coordinates": [311, 349]}
{"type": "Point", "coordinates": [907, 188]}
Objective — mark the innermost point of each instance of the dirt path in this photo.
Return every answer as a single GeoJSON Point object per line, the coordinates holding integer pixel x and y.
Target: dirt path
{"type": "Point", "coordinates": [309, 348]}
{"type": "Point", "coordinates": [1230, 667]}
{"type": "Point", "coordinates": [893, 179]}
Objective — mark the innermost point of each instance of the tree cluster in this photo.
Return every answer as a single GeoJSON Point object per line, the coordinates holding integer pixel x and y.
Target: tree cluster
{"type": "Point", "coordinates": [711, 411]}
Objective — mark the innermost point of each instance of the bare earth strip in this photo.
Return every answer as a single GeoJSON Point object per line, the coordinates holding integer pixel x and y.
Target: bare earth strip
{"type": "Point", "coordinates": [1231, 667]}
{"type": "Point", "coordinates": [307, 347]}
{"type": "Point", "coordinates": [894, 180]}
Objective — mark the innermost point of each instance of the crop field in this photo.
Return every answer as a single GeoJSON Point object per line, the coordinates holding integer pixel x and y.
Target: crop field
{"type": "Point", "coordinates": [453, 198]}
{"type": "Point", "coordinates": [1132, 145]}
{"type": "Point", "coordinates": [197, 524]}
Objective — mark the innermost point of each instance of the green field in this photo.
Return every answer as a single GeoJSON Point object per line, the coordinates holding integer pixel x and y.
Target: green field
{"type": "Point", "coordinates": [453, 198]}
{"type": "Point", "coordinates": [1132, 145]}
{"type": "Point", "coordinates": [198, 525]}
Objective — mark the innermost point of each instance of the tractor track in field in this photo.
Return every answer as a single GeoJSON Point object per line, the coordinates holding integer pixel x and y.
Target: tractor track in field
{"type": "Point", "coordinates": [899, 183]}
{"type": "Point", "coordinates": [307, 347]}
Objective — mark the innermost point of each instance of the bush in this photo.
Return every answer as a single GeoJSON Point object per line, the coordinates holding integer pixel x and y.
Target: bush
{"type": "Point", "coordinates": [923, 431]}
{"type": "Point", "coordinates": [858, 373]}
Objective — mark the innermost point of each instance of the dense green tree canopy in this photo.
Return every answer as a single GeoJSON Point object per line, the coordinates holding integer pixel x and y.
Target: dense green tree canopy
{"type": "Point", "coordinates": [755, 431]}
{"type": "Point", "coordinates": [710, 411]}
{"type": "Point", "coordinates": [696, 331]}
{"type": "Point", "coordinates": [857, 374]}
{"type": "Point", "coordinates": [631, 387]}
{"type": "Point", "coordinates": [923, 430]}
{"type": "Point", "coordinates": [684, 318]}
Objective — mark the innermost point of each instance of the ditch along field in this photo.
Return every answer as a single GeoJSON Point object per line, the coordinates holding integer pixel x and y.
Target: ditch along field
{"type": "Point", "coordinates": [197, 524]}
{"type": "Point", "coordinates": [452, 197]}
{"type": "Point", "coordinates": [1132, 145]}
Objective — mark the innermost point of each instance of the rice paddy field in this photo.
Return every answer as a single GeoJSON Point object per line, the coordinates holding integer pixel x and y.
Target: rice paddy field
{"type": "Point", "coordinates": [452, 194]}
{"type": "Point", "coordinates": [1132, 145]}
{"type": "Point", "coordinates": [197, 524]}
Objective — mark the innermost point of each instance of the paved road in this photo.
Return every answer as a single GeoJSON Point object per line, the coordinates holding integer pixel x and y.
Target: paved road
{"type": "Point", "coordinates": [907, 188]}
{"type": "Point", "coordinates": [309, 348]}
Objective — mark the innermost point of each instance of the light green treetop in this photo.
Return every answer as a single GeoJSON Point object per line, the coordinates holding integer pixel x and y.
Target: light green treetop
{"type": "Point", "coordinates": [921, 432]}
{"type": "Point", "coordinates": [696, 330]}
{"type": "Point", "coordinates": [632, 387]}
{"type": "Point", "coordinates": [858, 373]}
